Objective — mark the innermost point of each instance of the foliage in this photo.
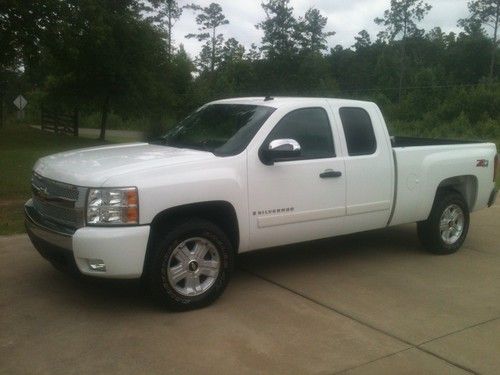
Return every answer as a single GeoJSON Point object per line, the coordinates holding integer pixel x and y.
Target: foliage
{"type": "Point", "coordinates": [168, 13]}
{"type": "Point", "coordinates": [312, 37]}
{"type": "Point", "coordinates": [280, 29]}
{"type": "Point", "coordinates": [485, 12]}
{"type": "Point", "coordinates": [402, 17]}
{"type": "Point", "coordinates": [209, 20]}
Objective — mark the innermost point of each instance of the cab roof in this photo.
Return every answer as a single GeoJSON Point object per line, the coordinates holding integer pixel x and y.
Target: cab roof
{"type": "Point", "coordinates": [280, 101]}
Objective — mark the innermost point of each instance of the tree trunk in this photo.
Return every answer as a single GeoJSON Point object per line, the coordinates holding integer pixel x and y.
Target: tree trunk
{"type": "Point", "coordinates": [212, 63]}
{"type": "Point", "coordinates": [495, 40]}
{"type": "Point", "coordinates": [402, 67]}
{"type": "Point", "coordinates": [169, 37]}
{"type": "Point", "coordinates": [104, 118]}
{"type": "Point", "coordinates": [1, 108]}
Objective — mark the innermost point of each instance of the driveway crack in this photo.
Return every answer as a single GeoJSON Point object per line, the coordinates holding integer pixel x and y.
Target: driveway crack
{"type": "Point", "coordinates": [366, 324]}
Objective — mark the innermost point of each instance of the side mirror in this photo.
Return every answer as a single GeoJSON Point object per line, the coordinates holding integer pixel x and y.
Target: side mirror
{"type": "Point", "coordinates": [280, 150]}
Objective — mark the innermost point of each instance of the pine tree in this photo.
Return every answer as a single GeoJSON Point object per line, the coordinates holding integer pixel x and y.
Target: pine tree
{"type": "Point", "coordinates": [401, 20]}
{"type": "Point", "coordinates": [485, 12]}
{"type": "Point", "coordinates": [209, 20]}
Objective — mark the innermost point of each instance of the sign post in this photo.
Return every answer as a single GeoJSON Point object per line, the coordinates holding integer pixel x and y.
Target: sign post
{"type": "Point", "coordinates": [20, 102]}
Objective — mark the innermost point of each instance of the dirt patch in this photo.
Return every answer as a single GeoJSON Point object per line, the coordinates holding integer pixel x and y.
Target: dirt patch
{"type": "Point", "coordinates": [11, 202]}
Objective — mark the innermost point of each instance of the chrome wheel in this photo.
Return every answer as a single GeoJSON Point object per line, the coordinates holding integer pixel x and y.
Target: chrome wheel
{"type": "Point", "coordinates": [193, 266]}
{"type": "Point", "coordinates": [451, 224]}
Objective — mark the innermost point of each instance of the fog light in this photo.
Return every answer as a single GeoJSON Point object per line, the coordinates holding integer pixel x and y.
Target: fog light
{"type": "Point", "coordinates": [97, 265]}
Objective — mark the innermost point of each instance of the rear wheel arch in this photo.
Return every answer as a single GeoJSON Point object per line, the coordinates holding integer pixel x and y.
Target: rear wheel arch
{"type": "Point", "coordinates": [431, 232]}
{"type": "Point", "coordinates": [466, 186]}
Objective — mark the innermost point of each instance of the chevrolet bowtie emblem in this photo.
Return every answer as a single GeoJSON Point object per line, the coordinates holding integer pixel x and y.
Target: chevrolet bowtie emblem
{"type": "Point", "coordinates": [41, 192]}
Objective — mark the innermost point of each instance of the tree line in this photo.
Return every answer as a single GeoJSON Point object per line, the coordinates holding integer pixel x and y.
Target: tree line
{"type": "Point", "coordinates": [120, 57]}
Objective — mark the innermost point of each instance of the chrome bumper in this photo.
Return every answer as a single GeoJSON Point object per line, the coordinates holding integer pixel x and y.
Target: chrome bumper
{"type": "Point", "coordinates": [493, 197]}
{"type": "Point", "coordinates": [41, 230]}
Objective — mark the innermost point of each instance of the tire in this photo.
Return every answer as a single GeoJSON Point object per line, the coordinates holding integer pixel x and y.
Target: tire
{"type": "Point", "coordinates": [442, 234]}
{"type": "Point", "coordinates": [181, 276]}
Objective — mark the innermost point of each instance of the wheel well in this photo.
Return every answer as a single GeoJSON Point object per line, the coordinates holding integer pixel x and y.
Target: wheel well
{"type": "Point", "coordinates": [465, 185]}
{"type": "Point", "coordinates": [220, 213]}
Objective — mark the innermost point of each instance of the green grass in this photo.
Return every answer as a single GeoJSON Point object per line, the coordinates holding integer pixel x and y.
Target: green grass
{"type": "Point", "coordinates": [20, 147]}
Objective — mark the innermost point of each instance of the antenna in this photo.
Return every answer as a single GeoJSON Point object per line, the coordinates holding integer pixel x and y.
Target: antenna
{"type": "Point", "coordinates": [268, 98]}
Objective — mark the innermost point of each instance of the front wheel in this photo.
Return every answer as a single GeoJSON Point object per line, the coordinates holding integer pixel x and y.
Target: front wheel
{"type": "Point", "coordinates": [191, 265]}
{"type": "Point", "coordinates": [445, 230]}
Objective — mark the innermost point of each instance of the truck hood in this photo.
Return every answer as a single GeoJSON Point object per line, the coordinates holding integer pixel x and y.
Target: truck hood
{"type": "Point", "coordinates": [93, 166]}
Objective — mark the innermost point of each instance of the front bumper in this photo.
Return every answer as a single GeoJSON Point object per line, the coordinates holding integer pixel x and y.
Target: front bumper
{"type": "Point", "coordinates": [122, 249]}
{"type": "Point", "coordinates": [493, 197]}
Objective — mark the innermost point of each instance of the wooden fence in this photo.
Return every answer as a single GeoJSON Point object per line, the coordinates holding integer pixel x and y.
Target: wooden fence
{"type": "Point", "coordinates": [62, 123]}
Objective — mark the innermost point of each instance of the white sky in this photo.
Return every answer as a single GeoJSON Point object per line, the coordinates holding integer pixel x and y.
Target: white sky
{"type": "Point", "coordinates": [345, 17]}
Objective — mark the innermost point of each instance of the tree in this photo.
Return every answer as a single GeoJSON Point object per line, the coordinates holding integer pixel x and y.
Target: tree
{"type": "Point", "coordinates": [401, 19]}
{"type": "Point", "coordinates": [312, 36]}
{"type": "Point", "coordinates": [363, 40]}
{"type": "Point", "coordinates": [233, 51]}
{"type": "Point", "coordinates": [280, 29]}
{"type": "Point", "coordinates": [209, 20]}
{"type": "Point", "coordinates": [254, 53]}
{"type": "Point", "coordinates": [485, 12]}
{"type": "Point", "coordinates": [106, 57]}
{"type": "Point", "coordinates": [24, 29]}
{"type": "Point", "coordinates": [169, 13]}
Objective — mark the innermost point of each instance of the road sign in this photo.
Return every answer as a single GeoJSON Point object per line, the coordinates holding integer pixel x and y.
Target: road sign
{"type": "Point", "coordinates": [20, 102]}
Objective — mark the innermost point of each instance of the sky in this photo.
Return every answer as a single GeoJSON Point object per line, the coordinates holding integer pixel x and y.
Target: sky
{"type": "Point", "coordinates": [345, 17]}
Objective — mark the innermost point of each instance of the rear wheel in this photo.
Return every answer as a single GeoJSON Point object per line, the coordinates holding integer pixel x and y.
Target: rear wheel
{"type": "Point", "coordinates": [445, 230]}
{"type": "Point", "coordinates": [191, 265]}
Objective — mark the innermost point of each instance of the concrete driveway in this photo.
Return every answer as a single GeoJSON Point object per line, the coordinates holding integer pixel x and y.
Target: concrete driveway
{"type": "Point", "coordinates": [373, 303]}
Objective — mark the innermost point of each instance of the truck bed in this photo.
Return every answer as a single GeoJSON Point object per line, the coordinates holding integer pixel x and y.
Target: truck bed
{"type": "Point", "coordinates": [422, 164]}
{"type": "Point", "coordinates": [415, 142]}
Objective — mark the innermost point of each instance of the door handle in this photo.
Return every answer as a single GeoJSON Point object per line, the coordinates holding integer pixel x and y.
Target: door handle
{"type": "Point", "coordinates": [330, 174]}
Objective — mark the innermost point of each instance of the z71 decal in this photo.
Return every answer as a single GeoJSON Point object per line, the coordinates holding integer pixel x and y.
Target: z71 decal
{"type": "Point", "coordinates": [483, 163]}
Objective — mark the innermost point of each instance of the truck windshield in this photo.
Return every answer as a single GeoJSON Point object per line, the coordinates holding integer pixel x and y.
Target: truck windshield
{"type": "Point", "coordinates": [223, 129]}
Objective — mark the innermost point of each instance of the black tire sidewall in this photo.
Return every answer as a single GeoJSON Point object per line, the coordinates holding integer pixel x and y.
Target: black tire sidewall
{"type": "Point", "coordinates": [163, 292]}
{"type": "Point", "coordinates": [434, 241]}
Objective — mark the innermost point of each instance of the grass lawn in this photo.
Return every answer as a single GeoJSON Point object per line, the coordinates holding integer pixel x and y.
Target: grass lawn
{"type": "Point", "coordinates": [20, 147]}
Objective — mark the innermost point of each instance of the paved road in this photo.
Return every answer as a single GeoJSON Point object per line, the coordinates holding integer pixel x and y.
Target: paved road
{"type": "Point", "coordinates": [373, 303]}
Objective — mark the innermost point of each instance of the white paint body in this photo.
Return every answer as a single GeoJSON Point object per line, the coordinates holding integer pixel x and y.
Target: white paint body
{"type": "Point", "coordinates": [390, 187]}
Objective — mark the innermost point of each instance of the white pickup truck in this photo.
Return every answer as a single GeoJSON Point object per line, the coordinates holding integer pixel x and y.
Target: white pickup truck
{"type": "Point", "coordinates": [245, 174]}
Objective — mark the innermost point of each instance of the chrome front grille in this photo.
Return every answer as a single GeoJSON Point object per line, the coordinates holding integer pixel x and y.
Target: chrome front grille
{"type": "Point", "coordinates": [53, 188]}
{"type": "Point", "coordinates": [58, 202]}
{"type": "Point", "coordinates": [63, 215]}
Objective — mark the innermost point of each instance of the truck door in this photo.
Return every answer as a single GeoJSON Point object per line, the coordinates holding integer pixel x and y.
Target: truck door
{"type": "Point", "coordinates": [303, 197]}
{"type": "Point", "coordinates": [369, 167]}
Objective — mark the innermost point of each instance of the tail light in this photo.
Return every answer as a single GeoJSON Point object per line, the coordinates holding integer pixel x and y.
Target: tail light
{"type": "Point", "coordinates": [495, 168]}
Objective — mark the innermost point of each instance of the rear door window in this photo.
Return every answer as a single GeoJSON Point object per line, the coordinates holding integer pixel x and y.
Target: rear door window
{"type": "Point", "coordinates": [358, 130]}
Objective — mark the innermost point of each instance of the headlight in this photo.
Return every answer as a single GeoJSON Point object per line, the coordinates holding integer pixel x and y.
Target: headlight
{"type": "Point", "coordinates": [116, 206]}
